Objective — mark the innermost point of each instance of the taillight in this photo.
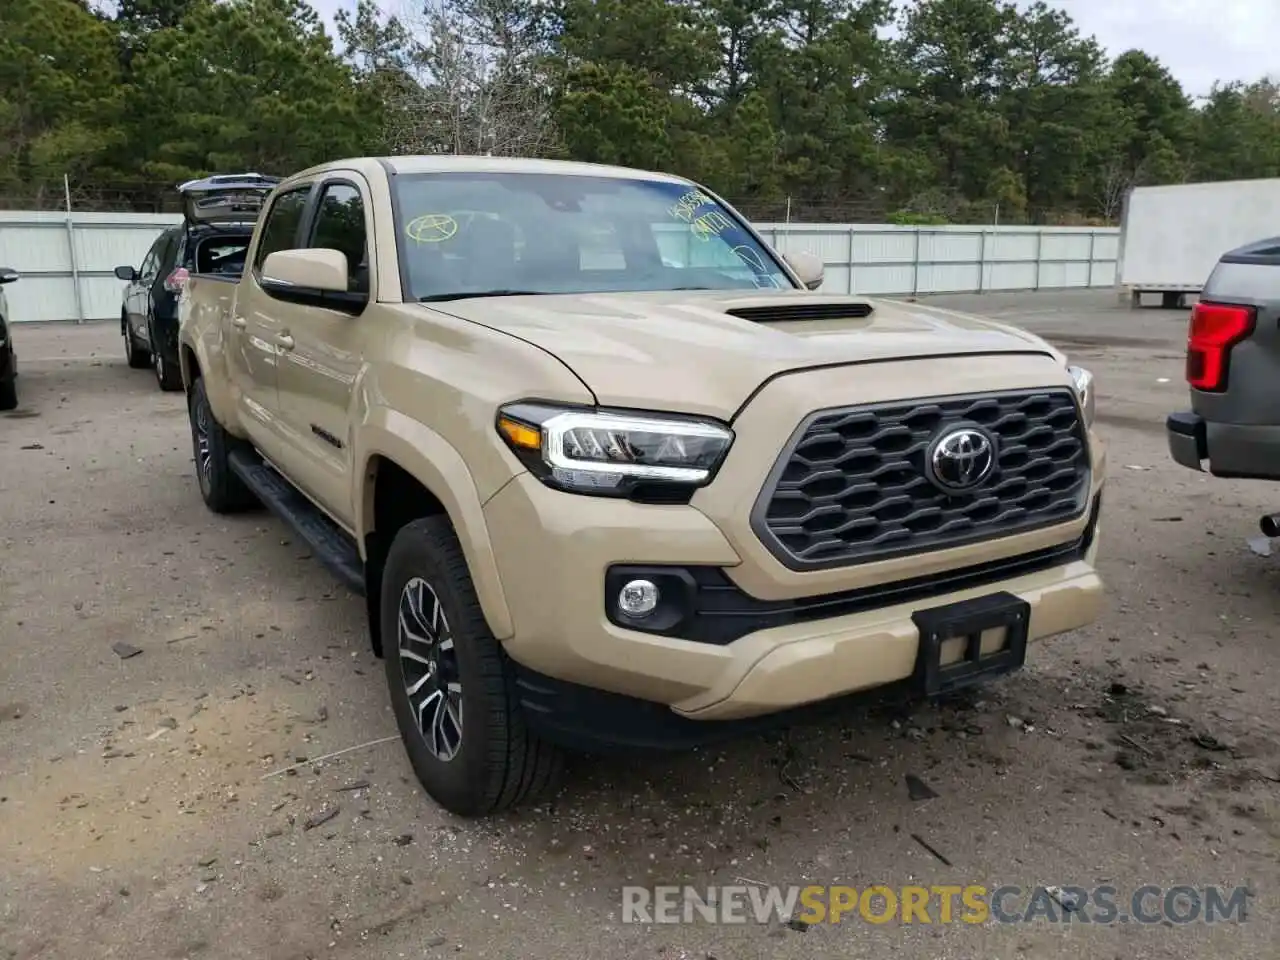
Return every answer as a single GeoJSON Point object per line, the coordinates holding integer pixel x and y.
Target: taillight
{"type": "Point", "coordinates": [175, 281]}
{"type": "Point", "coordinates": [1215, 328]}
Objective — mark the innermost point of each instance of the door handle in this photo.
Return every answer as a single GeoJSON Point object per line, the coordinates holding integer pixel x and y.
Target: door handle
{"type": "Point", "coordinates": [238, 322]}
{"type": "Point", "coordinates": [284, 340]}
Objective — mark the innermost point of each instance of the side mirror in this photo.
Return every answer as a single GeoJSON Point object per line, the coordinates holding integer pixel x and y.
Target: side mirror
{"type": "Point", "coordinates": [808, 268]}
{"type": "Point", "coordinates": [8, 275]}
{"type": "Point", "coordinates": [314, 277]}
{"type": "Point", "coordinates": [127, 274]}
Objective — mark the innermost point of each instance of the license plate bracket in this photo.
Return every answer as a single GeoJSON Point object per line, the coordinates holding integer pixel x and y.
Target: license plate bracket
{"type": "Point", "coordinates": [969, 619]}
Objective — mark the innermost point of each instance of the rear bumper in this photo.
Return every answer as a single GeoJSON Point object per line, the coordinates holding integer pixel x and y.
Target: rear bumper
{"type": "Point", "coordinates": [1246, 451]}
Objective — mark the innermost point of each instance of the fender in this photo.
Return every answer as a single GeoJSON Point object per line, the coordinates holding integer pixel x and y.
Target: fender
{"type": "Point", "coordinates": [205, 339]}
{"type": "Point", "coordinates": [435, 464]}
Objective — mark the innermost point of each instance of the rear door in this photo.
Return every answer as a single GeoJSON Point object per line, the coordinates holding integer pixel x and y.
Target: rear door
{"type": "Point", "coordinates": [138, 295]}
{"type": "Point", "coordinates": [256, 332]}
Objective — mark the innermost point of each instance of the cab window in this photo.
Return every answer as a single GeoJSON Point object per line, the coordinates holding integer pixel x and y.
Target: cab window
{"type": "Point", "coordinates": [340, 226]}
{"type": "Point", "coordinates": [280, 228]}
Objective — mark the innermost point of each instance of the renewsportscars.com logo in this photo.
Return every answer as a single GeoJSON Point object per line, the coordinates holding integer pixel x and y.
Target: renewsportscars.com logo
{"type": "Point", "coordinates": [937, 904]}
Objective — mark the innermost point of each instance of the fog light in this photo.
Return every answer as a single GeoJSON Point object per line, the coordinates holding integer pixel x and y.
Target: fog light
{"type": "Point", "coordinates": [638, 598]}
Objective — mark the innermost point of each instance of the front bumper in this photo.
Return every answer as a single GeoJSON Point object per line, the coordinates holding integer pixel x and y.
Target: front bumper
{"type": "Point", "coordinates": [1231, 450]}
{"type": "Point", "coordinates": [753, 657]}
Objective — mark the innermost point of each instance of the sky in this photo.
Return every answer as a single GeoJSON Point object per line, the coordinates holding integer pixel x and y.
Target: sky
{"type": "Point", "coordinates": [1200, 41]}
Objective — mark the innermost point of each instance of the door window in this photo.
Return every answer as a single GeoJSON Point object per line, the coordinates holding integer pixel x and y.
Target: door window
{"type": "Point", "coordinates": [340, 226]}
{"type": "Point", "coordinates": [169, 251]}
{"type": "Point", "coordinates": [280, 228]}
{"type": "Point", "coordinates": [151, 262]}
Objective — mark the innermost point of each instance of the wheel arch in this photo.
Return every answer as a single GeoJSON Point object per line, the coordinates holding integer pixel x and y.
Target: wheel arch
{"type": "Point", "coordinates": [408, 471]}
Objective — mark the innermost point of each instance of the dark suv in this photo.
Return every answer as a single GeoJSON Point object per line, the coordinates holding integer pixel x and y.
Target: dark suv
{"type": "Point", "coordinates": [218, 217]}
{"type": "Point", "coordinates": [8, 356]}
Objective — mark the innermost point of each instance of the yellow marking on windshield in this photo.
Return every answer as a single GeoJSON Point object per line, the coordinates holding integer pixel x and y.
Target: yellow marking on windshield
{"type": "Point", "coordinates": [710, 225]}
{"type": "Point", "coordinates": [687, 206]}
{"type": "Point", "coordinates": [431, 228]}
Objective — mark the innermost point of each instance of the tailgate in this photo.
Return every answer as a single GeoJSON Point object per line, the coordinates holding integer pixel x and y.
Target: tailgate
{"type": "Point", "coordinates": [226, 198]}
{"type": "Point", "coordinates": [1234, 343]}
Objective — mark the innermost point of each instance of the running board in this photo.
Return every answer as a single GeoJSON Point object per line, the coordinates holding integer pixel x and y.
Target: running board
{"type": "Point", "coordinates": [332, 545]}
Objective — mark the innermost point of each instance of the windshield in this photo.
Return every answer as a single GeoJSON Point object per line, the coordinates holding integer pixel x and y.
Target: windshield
{"type": "Point", "coordinates": [467, 234]}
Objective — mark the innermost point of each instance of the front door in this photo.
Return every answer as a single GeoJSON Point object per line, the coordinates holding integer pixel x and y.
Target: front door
{"type": "Point", "coordinates": [138, 293]}
{"type": "Point", "coordinates": [318, 372]}
{"type": "Point", "coordinates": [256, 336]}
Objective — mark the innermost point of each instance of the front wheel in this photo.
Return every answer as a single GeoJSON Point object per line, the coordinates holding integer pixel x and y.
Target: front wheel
{"type": "Point", "coordinates": [139, 357]}
{"type": "Point", "coordinates": [9, 395]}
{"type": "Point", "coordinates": [449, 681]}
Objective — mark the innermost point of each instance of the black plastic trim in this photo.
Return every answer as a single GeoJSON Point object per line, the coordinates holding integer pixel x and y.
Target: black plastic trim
{"type": "Point", "coordinates": [332, 545]}
{"type": "Point", "coordinates": [797, 310]}
{"type": "Point", "coordinates": [1187, 424]}
{"type": "Point", "coordinates": [598, 721]}
{"type": "Point", "coordinates": [968, 620]}
{"type": "Point", "coordinates": [759, 510]}
{"type": "Point", "coordinates": [719, 612]}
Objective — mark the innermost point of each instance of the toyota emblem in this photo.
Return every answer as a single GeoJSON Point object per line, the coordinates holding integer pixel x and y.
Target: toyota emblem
{"type": "Point", "coordinates": [961, 459]}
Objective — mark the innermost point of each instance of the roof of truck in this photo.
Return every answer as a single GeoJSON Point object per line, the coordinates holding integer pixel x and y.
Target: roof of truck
{"type": "Point", "coordinates": [477, 164]}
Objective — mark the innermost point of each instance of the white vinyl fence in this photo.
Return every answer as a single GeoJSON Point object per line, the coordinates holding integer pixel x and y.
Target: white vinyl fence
{"type": "Point", "coordinates": [66, 260]}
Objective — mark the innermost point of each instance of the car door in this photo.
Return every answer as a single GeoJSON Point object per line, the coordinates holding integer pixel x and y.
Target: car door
{"type": "Point", "coordinates": [319, 371]}
{"type": "Point", "coordinates": [256, 326]}
{"type": "Point", "coordinates": [150, 292]}
{"type": "Point", "coordinates": [136, 293]}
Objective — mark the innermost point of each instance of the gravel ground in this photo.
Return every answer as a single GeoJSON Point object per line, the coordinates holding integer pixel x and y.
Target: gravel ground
{"type": "Point", "coordinates": [139, 817]}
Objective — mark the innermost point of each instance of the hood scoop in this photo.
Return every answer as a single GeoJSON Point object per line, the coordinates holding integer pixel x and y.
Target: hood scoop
{"type": "Point", "coordinates": [795, 312]}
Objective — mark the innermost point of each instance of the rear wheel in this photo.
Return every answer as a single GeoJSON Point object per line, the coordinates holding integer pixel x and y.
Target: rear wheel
{"type": "Point", "coordinates": [168, 373]}
{"type": "Point", "coordinates": [450, 683]}
{"type": "Point", "coordinates": [222, 490]}
{"type": "Point", "coordinates": [8, 395]}
{"type": "Point", "coordinates": [138, 356]}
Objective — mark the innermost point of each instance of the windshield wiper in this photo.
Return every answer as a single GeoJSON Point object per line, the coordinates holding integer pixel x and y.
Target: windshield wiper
{"type": "Point", "coordinates": [438, 297]}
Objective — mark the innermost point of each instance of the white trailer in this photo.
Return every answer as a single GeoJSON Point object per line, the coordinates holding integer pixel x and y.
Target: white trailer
{"type": "Point", "coordinates": [1172, 236]}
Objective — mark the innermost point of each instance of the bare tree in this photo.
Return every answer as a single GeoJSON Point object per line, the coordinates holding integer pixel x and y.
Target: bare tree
{"type": "Point", "coordinates": [477, 81]}
{"type": "Point", "coordinates": [1118, 177]}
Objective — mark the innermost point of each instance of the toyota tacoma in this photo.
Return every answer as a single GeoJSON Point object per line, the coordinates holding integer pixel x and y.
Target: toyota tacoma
{"type": "Point", "coordinates": [609, 471]}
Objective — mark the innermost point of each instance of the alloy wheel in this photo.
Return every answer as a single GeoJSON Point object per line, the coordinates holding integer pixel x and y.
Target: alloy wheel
{"type": "Point", "coordinates": [429, 665]}
{"type": "Point", "coordinates": [203, 450]}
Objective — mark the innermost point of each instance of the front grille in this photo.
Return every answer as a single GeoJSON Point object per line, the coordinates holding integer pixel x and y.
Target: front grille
{"type": "Point", "coordinates": [851, 485]}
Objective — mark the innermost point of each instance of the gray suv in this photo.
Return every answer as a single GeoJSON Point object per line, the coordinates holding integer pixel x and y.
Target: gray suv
{"type": "Point", "coordinates": [1233, 369]}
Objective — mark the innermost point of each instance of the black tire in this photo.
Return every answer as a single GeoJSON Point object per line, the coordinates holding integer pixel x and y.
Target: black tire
{"type": "Point", "coordinates": [499, 763]}
{"type": "Point", "coordinates": [138, 356]}
{"type": "Point", "coordinates": [221, 489]}
{"type": "Point", "coordinates": [168, 373]}
{"type": "Point", "coordinates": [9, 395]}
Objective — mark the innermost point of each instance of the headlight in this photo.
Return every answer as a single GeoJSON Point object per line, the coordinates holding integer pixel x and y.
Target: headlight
{"type": "Point", "coordinates": [612, 453]}
{"type": "Point", "coordinates": [1083, 380]}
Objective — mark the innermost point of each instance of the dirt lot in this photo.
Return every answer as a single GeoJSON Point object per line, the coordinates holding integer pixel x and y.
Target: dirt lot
{"type": "Point", "coordinates": [138, 817]}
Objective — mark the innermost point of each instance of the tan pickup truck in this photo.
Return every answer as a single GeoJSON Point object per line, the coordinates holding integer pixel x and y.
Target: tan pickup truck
{"type": "Point", "coordinates": [611, 472]}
